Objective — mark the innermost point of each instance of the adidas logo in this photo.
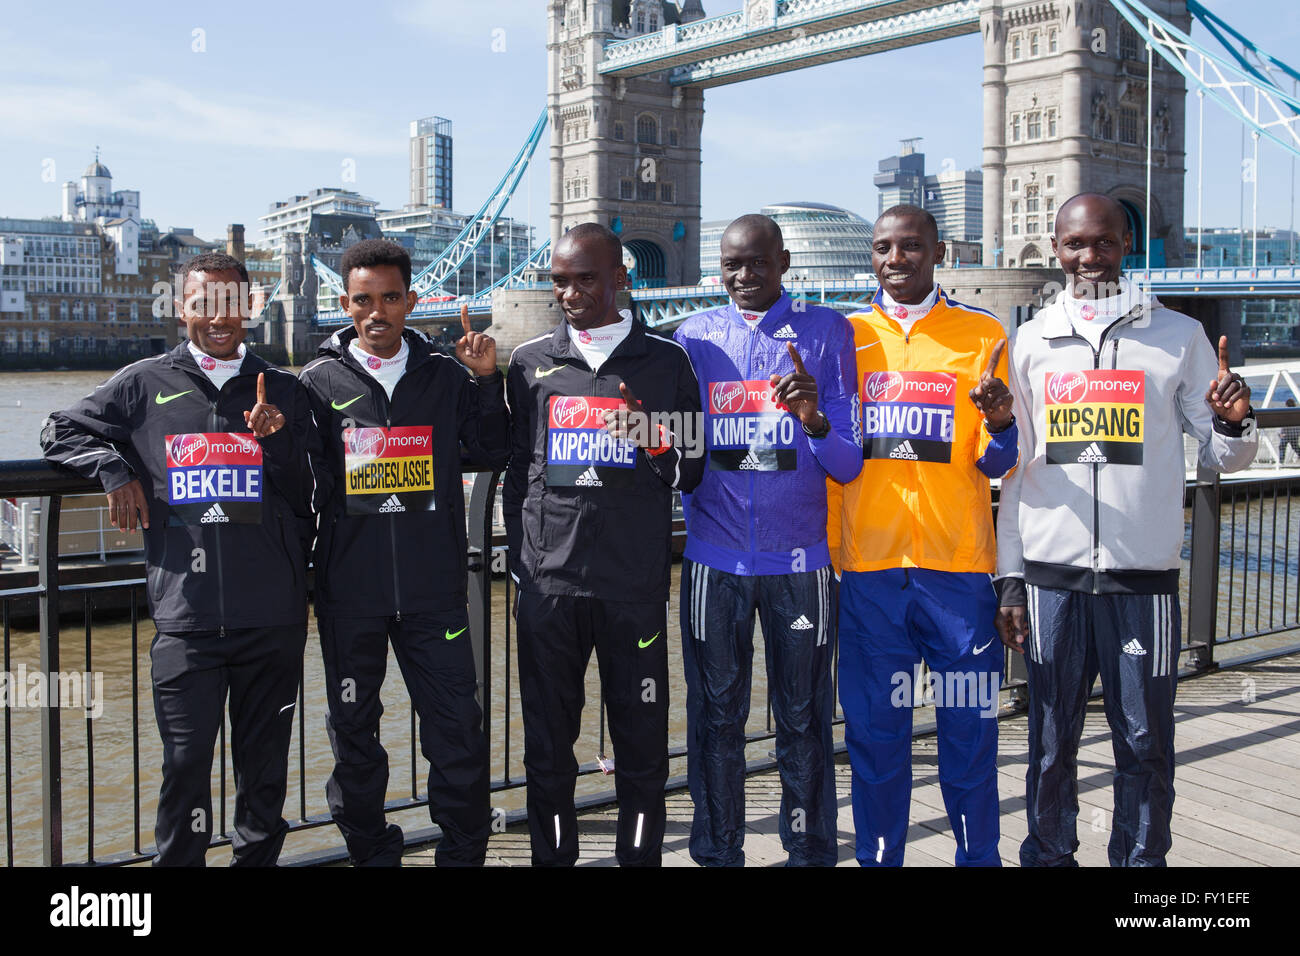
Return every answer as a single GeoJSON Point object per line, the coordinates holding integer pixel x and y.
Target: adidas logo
{"type": "Point", "coordinates": [1134, 648]}
{"type": "Point", "coordinates": [801, 623]}
{"type": "Point", "coordinates": [589, 478]}
{"type": "Point", "coordinates": [904, 451]}
{"type": "Point", "coordinates": [750, 463]}
{"type": "Point", "coordinates": [214, 515]}
{"type": "Point", "coordinates": [1092, 453]}
{"type": "Point", "coordinates": [785, 332]}
{"type": "Point", "coordinates": [391, 506]}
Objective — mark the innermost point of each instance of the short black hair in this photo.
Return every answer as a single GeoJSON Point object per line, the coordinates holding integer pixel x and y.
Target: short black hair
{"type": "Point", "coordinates": [369, 253]}
{"type": "Point", "coordinates": [1113, 205]}
{"type": "Point", "coordinates": [214, 262]}
{"type": "Point", "coordinates": [594, 230]}
{"type": "Point", "coordinates": [756, 221]}
{"type": "Point", "coordinates": [908, 211]}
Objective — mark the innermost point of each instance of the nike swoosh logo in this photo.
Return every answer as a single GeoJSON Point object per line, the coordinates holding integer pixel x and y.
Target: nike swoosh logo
{"type": "Point", "coordinates": [338, 408]}
{"type": "Point", "coordinates": [981, 650]}
{"type": "Point", "coordinates": [550, 371]}
{"type": "Point", "coordinates": [451, 637]}
{"type": "Point", "coordinates": [286, 707]}
{"type": "Point", "coordinates": [647, 643]}
{"type": "Point", "coordinates": [869, 345]}
{"type": "Point", "coordinates": [159, 400]}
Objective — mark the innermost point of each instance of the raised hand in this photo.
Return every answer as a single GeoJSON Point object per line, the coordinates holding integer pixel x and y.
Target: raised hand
{"type": "Point", "coordinates": [265, 419]}
{"type": "Point", "coordinates": [1228, 395]}
{"type": "Point", "coordinates": [797, 391]}
{"type": "Point", "coordinates": [124, 502]}
{"type": "Point", "coordinates": [476, 350]}
{"type": "Point", "coordinates": [631, 423]}
{"type": "Point", "coordinates": [1012, 624]}
{"type": "Point", "coordinates": [991, 395]}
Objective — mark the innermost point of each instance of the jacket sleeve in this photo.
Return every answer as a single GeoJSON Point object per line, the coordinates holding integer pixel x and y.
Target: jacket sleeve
{"type": "Point", "coordinates": [998, 453]}
{"type": "Point", "coordinates": [839, 451]}
{"type": "Point", "coordinates": [292, 452]}
{"type": "Point", "coordinates": [484, 424]}
{"type": "Point", "coordinates": [515, 487]}
{"type": "Point", "coordinates": [682, 466]}
{"type": "Point", "coordinates": [1223, 446]}
{"type": "Point", "coordinates": [321, 465]}
{"type": "Point", "coordinates": [93, 437]}
{"type": "Point", "coordinates": [1010, 582]}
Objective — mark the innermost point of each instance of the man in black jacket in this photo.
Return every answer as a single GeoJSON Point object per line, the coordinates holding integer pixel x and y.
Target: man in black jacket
{"type": "Point", "coordinates": [227, 519]}
{"type": "Point", "coordinates": [587, 503]}
{"type": "Point", "coordinates": [391, 552]}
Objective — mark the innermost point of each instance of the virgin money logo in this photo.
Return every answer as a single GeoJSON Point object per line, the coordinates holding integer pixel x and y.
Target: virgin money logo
{"type": "Point", "coordinates": [188, 450]}
{"type": "Point", "coordinates": [208, 363]}
{"type": "Point", "coordinates": [884, 387]}
{"type": "Point", "coordinates": [570, 412]}
{"type": "Point", "coordinates": [374, 362]}
{"type": "Point", "coordinates": [369, 442]}
{"type": "Point", "coordinates": [900, 312]}
{"type": "Point", "coordinates": [1066, 388]}
{"type": "Point", "coordinates": [727, 396]}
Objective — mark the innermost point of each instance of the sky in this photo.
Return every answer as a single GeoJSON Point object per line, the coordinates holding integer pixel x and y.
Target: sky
{"type": "Point", "coordinates": [215, 113]}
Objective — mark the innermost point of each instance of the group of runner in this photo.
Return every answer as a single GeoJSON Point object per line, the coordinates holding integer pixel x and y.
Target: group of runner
{"type": "Point", "coordinates": [837, 487]}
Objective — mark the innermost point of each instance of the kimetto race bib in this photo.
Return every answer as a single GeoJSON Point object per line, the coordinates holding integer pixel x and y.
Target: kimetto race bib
{"type": "Point", "coordinates": [748, 429]}
{"type": "Point", "coordinates": [908, 415]}
{"type": "Point", "coordinates": [214, 478]}
{"type": "Point", "coordinates": [388, 470]}
{"type": "Point", "coordinates": [1095, 416]}
{"type": "Point", "coordinates": [579, 452]}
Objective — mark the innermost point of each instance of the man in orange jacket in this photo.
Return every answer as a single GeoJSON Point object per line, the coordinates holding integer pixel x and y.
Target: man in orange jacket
{"type": "Point", "coordinates": [916, 546]}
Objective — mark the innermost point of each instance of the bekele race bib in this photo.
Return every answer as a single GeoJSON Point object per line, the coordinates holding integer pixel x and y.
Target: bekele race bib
{"type": "Point", "coordinates": [1094, 416]}
{"type": "Point", "coordinates": [748, 429]}
{"type": "Point", "coordinates": [388, 470]}
{"type": "Point", "coordinates": [908, 415]}
{"type": "Point", "coordinates": [579, 451]}
{"type": "Point", "coordinates": [214, 478]}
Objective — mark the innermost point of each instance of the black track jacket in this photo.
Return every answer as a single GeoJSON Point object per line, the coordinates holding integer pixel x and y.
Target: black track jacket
{"type": "Point", "coordinates": [228, 535]}
{"type": "Point", "coordinates": [392, 523]}
{"type": "Point", "coordinates": [603, 531]}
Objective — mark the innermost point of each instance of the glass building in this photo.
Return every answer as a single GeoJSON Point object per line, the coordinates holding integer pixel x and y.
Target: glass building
{"type": "Point", "coordinates": [824, 241]}
{"type": "Point", "coordinates": [431, 162]}
{"type": "Point", "coordinates": [1266, 323]}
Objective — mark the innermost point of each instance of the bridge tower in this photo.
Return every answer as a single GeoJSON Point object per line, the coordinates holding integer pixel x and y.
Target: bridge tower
{"type": "Point", "coordinates": [625, 152]}
{"type": "Point", "coordinates": [1065, 111]}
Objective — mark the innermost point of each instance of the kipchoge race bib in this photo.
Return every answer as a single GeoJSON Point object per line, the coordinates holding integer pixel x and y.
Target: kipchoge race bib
{"type": "Point", "coordinates": [1095, 416]}
{"type": "Point", "coordinates": [748, 429]}
{"type": "Point", "coordinates": [579, 452]}
{"type": "Point", "coordinates": [214, 478]}
{"type": "Point", "coordinates": [388, 470]}
{"type": "Point", "coordinates": [908, 415]}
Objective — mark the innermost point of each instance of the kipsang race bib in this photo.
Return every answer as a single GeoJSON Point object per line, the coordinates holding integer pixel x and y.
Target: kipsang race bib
{"type": "Point", "coordinates": [1094, 416]}
{"type": "Point", "coordinates": [388, 470]}
{"type": "Point", "coordinates": [214, 478]}
{"type": "Point", "coordinates": [908, 415]}
{"type": "Point", "coordinates": [748, 429]}
{"type": "Point", "coordinates": [579, 452]}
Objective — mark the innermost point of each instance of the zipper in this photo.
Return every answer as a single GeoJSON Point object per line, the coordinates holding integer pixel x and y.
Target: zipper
{"type": "Point", "coordinates": [216, 532]}
{"type": "Point", "coordinates": [392, 518]}
{"type": "Point", "coordinates": [749, 516]}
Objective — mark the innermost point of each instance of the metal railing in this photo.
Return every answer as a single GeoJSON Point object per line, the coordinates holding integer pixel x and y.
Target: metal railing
{"type": "Point", "coordinates": [1241, 583]}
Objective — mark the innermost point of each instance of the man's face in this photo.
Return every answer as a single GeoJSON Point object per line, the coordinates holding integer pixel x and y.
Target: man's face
{"type": "Point", "coordinates": [752, 265]}
{"type": "Point", "coordinates": [214, 306]}
{"type": "Point", "coordinates": [904, 252]}
{"type": "Point", "coordinates": [377, 301]}
{"type": "Point", "coordinates": [1091, 241]}
{"type": "Point", "coordinates": [585, 280]}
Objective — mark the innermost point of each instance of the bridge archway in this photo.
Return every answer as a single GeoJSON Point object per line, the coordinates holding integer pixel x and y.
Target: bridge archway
{"type": "Point", "coordinates": [649, 267]}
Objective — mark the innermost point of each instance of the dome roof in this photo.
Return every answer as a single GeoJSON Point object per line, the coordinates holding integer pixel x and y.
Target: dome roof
{"type": "Point", "coordinates": [97, 169]}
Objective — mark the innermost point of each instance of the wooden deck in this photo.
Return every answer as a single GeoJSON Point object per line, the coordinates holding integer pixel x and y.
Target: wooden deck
{"type": "Point", "coordinates": [1237, 784]}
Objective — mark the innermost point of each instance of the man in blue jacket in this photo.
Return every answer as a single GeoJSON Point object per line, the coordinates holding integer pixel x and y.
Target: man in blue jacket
{"type": "Point", "coordinates": [777, 386]}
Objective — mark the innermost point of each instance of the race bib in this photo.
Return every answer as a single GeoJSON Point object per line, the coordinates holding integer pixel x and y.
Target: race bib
{"type": "Point", "coordinates": [748, 429]}
{"type": "Point", "coordinates": [908, 415]}
{"type": "Point", "coordinates": [579, 452]}
{"type": "Point", "coordinates": [388, 470]}
{"type": "Point", "coordinates": [214, 478]}
{"type": "Point", "coordinates": [1095, 416]}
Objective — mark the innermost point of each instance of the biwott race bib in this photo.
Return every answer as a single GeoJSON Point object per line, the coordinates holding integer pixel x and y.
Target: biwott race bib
{"type": "Point", "coordinates": [908, 415]}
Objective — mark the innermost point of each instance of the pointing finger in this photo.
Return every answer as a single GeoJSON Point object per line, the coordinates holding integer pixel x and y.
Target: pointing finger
{"type": "Point", "coordinates": [798, 362]}
{"type": "Point", "coordinates": [1223, 353]}
{"type": "Point", "coordinates": [996, 357]}
{"type": "Point", "coordinates": [464, 318]}
{"type": "Point", "coordinates": [261, 388]}
{"type": "Point", "coordinates": [632, 400]}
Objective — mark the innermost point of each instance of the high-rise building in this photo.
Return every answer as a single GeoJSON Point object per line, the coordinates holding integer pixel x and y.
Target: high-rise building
{"type": "Point", "coordinates": [431, 162]}
{"type": "Point", "coordinates": [901, 178]}
{"type": "Point", "coordinates": [956, 200]}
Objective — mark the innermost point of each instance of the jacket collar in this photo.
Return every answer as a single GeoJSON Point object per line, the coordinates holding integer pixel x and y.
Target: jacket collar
{"type": "Point", "coordinates": [1057, 325]}
{"type": "Point", "coordinates": [776, 315]}
{"type": "Point", "coordinates": [337, 347]}
{"type": "Point", "coordinates": [180, 357]}
{"type": "Point", "coordinates": [941, 303]}
{"type": "Point", "coordinates": [560, 347]}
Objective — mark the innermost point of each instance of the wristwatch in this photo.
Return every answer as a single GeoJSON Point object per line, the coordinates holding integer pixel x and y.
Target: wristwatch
{"type": "Point", "coordinates": [823, 429]}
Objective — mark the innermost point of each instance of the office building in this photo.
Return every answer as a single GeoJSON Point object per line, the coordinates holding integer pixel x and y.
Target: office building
{"type": "Point", "coordinates": [431, 162]}
{"type": "Point", "coordinates": [824, 241]}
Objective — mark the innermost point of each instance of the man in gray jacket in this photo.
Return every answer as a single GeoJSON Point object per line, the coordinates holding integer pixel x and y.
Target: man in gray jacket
{"type": "Point", "coordinates": [1090, 527]}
